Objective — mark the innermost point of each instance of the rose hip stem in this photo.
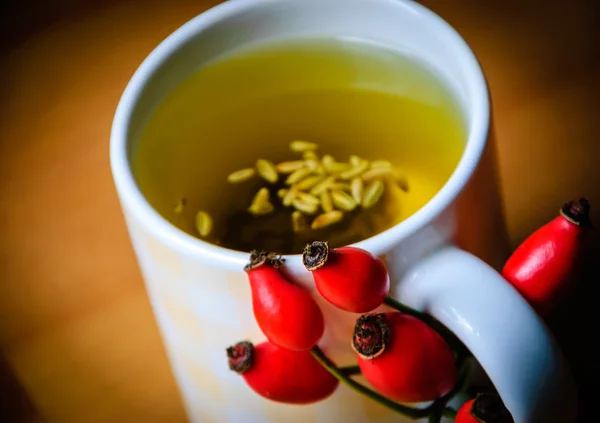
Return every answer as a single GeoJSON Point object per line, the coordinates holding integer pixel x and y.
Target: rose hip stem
{"type": "Point", "coordinates": [413, 413]}
{"type": "Point", "coordinates": [541, 268]}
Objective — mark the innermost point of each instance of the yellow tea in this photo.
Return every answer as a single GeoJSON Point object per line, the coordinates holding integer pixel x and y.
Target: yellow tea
{"type": "Point", "coordinates": [211, 145]}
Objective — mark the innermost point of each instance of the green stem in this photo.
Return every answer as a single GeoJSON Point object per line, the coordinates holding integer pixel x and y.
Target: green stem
{"type": "Point", "coordinates": [412, 413]}
{"type": "Point", "coordinates": [350, 370]}
{"type": "Point", "coordinates": [439, 407]}
{"type": "Point", "coordinates": [435, 415]}
{"type": "Point", "coordinates": [431, 321]}
{"type": "Point", "coordinates": [449, 413]}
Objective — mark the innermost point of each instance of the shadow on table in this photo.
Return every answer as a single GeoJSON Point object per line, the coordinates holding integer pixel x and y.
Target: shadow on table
{"type": "Point", "coordinates": [15, 405]}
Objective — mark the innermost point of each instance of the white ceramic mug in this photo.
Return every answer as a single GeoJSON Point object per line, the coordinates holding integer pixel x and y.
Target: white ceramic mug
{"type": "Point", "coordinates": [437, 257]}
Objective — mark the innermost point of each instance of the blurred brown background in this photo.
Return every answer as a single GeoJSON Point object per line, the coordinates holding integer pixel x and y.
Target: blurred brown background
{"type": "Point", "coordinates": [77, 338]}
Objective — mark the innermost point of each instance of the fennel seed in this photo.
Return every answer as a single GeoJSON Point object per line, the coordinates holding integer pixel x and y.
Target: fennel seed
{"type": "Point", "coordinates": [307, 198]}
{"type": "Point", "coordinates": [356, 188]}
{"type": "Point", "coordinates": [340, 186]}
{"type": "Point", "coordinates": [310, 155]}
{"type": "Point", "coordinates": [355, 160]}
{"type": "Point", "coordinates": [180, 206]}
{"type": "Point", "coordinates": [378, 173]}
{"type": "Point", "coordinates": [298, 175]}
{"type": "Point", "coordinates": [304, 207]}
{"type": "Point", "coordinates": [322, 186]}
{"type": "Point", "coordinates": [379, 164]}
{"type": "Point", "coordinates": [290, 196]}
{"type": "Point", "coordinates": [372, 194]}
{"type": "Point", "coordinates": [260, 209]}
{"type": "Point", "coordinates": [326, 202]}
{"type": "Point", "coordinates": [204, 223]}
{"type": "Point", "coordinates": [261, 203]}
{"type": "Point", "coordinates": [240, 175]}
{"type": "Point", "coordinates": [327, 219]}
{"type": "Point", "coordinates": [343, 200]}
{"type": "Point", "coordinates": [402, 182]}
{"type": "Point", "coordinates": [308, 183]}
{"type": "Point", "coordinates": [312, 164]}
{"type": "Point", "coordinates": [355, 171]}
{"type": "Point", "coordinates": [267, 170]}
{"type": "Point", "coordinates": [302, 146]}
{"type": "Point", "coordinates": [289, 166]}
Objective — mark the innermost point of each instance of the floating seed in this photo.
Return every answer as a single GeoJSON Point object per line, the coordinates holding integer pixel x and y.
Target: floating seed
{"type": "Point", "coordinates": [304, 207]}
{"type": "Point", "coordinates": [298, 221]}
{"type": "Point", "coordinates": [327, 219]}
{"type": "Point", "coordinates": [240, 176]}
{"type": "Point", "coordinates": [290, 166]}
{"type": "Point", "coordinates": [178, 209]}
{"type": "Point", "coordinates": [332, 166]}
{"type": "Point", "coordinates": [310, 156]}
{"type": "Point", "coordinates": [307, 198]}
{"type": "Point", "coordinates": [343, 200]}
{"type": "Point", "coordinates": [372, 194]}
{"type": "Point", "coordinates": [378, 173]}
{"type": "Point", "coordinates": [267, 170]}
{"type": "Point", "coordinates": [312, 164]}
{"type": "Point", "coordinates": [355, 160]}
{"type": "Point", "coordinates": [290, 196]}
{"type": "Point", "coordinates": [355, 171]}
{"type": "Point", "coordinates": [322, 186]}
{"type": "Point", "coordinates": [402, 182]}
{"type": "Point", "coordinates": [337, 168]}
{"type": "Point", "coordinates": [379, 164]}
{"type": "Point", "coordinates": [309, 182]}
{"type": "Point", "coordinates": [260, 209]}
{"type": "Point", "coordinates": [340, 186]}
{"type": "Point", "coordinates": [204, 223]}
{"type": "Point", "coordinates": [326, 202]}
{"type": "Point", "coordinates": [356, 188]}
{"type": "Point", "coordinates": [302, 146]}
{"type": "Point", "coordinates": [327, 160]}
{"type": "Point", "coordinates": [262, 196]}
{"type": "Point", "coordinates": [261, 203]}
{"type": "Point", "coordinates": [298, 175]}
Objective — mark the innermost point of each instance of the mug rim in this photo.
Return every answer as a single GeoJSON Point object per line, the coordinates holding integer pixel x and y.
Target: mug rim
{"type": "Point", "coordinates": [134, 202]}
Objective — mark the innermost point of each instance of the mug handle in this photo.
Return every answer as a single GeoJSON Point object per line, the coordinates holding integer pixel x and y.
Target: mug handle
{"type": "Point", "coordinates": [501, 330]}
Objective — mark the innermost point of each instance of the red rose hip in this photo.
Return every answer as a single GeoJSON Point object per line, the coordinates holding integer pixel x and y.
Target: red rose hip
{"type": "Point", "coordinates": [486, 408]}
{"type": "Point", "coordinates": [542, 267]}
{"type": "Point", "coordinates": [403, 358]}
{"type": "Point", "coordinates": [292, 377]}
{"type": "Point", "coordinates": [287, 314]}
{"type": "Point", "coordinates": [350, 278]}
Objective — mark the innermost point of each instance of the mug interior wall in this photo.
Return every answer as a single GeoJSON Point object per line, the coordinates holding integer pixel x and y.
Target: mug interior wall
{"type": "Point", "coordinates": [431, 40]}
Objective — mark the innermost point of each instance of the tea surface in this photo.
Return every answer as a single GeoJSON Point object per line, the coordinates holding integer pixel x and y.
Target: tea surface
{"type": "Point", "coordinates": [349, 97]}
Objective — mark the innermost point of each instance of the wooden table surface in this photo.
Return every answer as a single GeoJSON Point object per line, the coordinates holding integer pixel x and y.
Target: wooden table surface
{"type": "Point", "coordinates": [77, 336]}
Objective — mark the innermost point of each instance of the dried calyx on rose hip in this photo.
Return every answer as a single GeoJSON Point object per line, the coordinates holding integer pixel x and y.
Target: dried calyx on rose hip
{"type": "Point", "coordinates": [543, 266]}
{"type": "Point", "coordinates": [292, 377]}
{"type": "Point", "coordinates": [286, 313]}
{"type": "Point", "coordinates": [403, 358]}
{"type": "Point", "coordinates": [486, 408]}
{"type": "Point", "coordinates": [350, 278]}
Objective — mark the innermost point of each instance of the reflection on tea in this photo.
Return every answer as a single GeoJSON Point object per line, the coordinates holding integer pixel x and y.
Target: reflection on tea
{"type": "Point", "coordinates": [236, 153]}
